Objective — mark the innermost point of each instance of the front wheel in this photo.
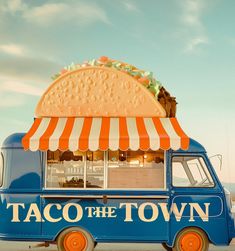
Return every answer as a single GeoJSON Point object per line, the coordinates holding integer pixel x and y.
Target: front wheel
{"type": "Point", "coordinates": [75, 239]}
{"type": "Point", "coordinates": [191, 239]}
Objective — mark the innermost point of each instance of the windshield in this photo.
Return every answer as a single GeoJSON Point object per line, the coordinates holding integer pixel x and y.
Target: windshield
{"type": "Point", "coordinates": [1, 169]}
{"type": "Point", "coordinates": [190, 171]}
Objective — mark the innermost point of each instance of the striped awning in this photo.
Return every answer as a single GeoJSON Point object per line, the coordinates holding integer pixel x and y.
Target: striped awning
{"type": "Point", "coordinates": [104, 133]}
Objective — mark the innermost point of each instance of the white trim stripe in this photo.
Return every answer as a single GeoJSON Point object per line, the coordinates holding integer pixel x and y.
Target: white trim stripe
{"type": "Point", "coordinates": [54, 139]}
{"type": "Point", "coordinates": [93, 142]}
{"type": "Point", "coordinates": [75, 134]}
{"type": "Point", "coordinates": [154, 138]}
{"type": "Point", "coordinates": [133, 134]}
{"type": "Point", "coordinates": [34, 140]}
{"type": "Point", "coordinates": [175, 140]}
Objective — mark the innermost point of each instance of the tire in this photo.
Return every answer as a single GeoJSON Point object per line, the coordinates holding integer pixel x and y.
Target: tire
{"type": "Point", "coordinates": [75, 239]}
{"type": "Point", "coordinates": [191, 239]}
{"type": "Point", "coordinates": [166, 247]}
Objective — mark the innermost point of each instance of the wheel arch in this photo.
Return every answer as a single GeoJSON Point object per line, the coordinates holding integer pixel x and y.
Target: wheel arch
{"type": "Point", "coordinates": [72, 226]}
{"type": "Point", "coordinates": [171, 242]}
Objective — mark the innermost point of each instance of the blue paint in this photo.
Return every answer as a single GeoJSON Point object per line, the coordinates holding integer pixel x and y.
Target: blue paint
{"type": "Point", "coordinates": [23, 183]}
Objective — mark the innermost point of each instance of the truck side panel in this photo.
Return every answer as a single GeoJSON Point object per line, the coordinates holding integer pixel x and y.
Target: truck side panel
{"type": "Point", "coordinates": [12, 221]}
{"type": "Point", "coordinates": [117, 225]}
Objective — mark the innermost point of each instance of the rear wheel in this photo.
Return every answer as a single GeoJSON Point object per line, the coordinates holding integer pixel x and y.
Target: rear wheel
{"type": "Point", "coordinates": [166, 247]}
{"type": "Point", "coordinates": [75, 239]}
{"type": "Point", "coordinates": [191, 239]}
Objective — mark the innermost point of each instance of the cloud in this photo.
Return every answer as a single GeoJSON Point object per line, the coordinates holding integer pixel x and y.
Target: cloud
{"type": "Point", "coordinates": [47, 13]}
{"type": "Point", "coordinates": [74, 12]}
{"type": "Point", "coordinates": [192, 11]}
{"type": "Point", "coordinates": [21, 76]}
{"type": "Point", "coordinates": [12, 92]}
{"type": "Point", "coordinates": [130, 6]}
{"type": "Point", "coordinates": [12, 6]}
{"type": "Point", "coordinates": [195, 43]}
{"type": "Point", "coordinates": [12, 49]}
{"type": "Point", "coordinates": [77, 13]}
{"type": "Point", "coordinates": [193, 29]}
{"type": "Point", "coordinates": [28, 69]}
{"type": "Point", "coordinates": [18, 87]}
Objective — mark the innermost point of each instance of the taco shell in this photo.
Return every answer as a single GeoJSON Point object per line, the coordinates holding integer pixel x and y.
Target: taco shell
{"type": "Point", "coordinates": [97, 91]}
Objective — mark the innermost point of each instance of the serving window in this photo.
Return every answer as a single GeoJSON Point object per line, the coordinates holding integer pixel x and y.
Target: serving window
{"type": "Point", "coordinates": [136, 169]}
{"type": "Point", "coordinates": [65, 169]}
{"type": "Point", "coordinates": [105, 170]}
{"type": "Point", "coordinates": [95, 169]}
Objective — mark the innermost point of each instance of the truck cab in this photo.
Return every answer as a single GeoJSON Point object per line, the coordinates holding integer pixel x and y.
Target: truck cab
{"type": "Point", "coordinates": [43, 194]}
{"type": "Point", "coordinates": [193, 179]}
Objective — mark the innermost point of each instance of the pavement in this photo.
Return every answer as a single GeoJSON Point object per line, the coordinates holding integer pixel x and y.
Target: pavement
{"type": "Point", "coordinates": [20, 246]}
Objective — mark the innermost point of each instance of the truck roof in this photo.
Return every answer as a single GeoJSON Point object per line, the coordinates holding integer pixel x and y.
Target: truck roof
{"type": "Point", "coordinates": [14, 141]}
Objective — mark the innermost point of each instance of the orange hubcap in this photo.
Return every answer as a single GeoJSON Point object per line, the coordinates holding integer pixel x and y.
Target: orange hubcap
{"type": "Point", "coordinates": [75, 241]}
{"type": "Point", "coordinates": [191, 241]}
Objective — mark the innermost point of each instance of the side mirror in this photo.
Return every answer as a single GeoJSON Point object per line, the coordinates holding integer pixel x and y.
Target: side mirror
{"type": "Point", "coordinates": [215, 159]}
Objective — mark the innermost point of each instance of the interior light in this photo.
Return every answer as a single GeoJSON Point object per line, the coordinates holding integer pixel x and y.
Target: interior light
{"type": "Point", "coordinates": [77, 153]}
{"type": "Point", "coordinates": [134, 162]}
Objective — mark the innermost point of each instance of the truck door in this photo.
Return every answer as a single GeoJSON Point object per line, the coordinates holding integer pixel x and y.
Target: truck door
{"type": "Point", "coordinates": [139, 180]}
{"type": "Point", "coordinates": [144, 224]}
{"type": "Point", "coordinates": [196, 197]}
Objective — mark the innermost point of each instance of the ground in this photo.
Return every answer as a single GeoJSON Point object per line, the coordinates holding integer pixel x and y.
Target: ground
{"type": "Point", "coordinates": [18, 246]}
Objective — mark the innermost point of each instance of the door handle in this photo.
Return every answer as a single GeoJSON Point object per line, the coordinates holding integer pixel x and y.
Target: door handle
{"type": "Point", "coordinates": [105, 199]}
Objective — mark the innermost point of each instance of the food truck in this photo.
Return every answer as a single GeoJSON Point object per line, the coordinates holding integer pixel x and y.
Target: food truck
{"type": "Point", "coordinates": [106, 160]}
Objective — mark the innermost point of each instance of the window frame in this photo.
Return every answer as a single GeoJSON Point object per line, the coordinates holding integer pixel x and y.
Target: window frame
{"type": "Point", "coordinates": [105, 188]}
{"type": "Point", "coordinates": [70, 188]}
{"type": "Point", "coordinates": [3, 167]}
{"type": "Point", "coordinates": [206, 164]}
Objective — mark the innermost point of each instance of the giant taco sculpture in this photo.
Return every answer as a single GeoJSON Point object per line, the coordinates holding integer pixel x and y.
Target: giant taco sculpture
{"type": "Point", "coordinates": [105, 87]}
{"type": "Point", "coordinates": [107, 161]}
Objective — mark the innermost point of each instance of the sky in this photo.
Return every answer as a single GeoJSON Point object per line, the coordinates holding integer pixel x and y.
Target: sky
{"type": "Point", "coordinates": [189, 45]}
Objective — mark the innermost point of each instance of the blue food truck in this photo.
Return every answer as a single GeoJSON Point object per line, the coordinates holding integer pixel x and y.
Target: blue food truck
{"type": "Point", "coordinates": [110, 168]}
{"type": "Point", "coordinates": [77, 199]}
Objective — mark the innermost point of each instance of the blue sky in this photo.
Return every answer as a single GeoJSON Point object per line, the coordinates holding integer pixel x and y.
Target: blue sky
{"type": "Point", "coordinates": [189, 45]}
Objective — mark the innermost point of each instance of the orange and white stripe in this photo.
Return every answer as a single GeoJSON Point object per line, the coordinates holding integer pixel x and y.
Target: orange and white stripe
{"type": "Point", "coordinates": [105, 133]}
